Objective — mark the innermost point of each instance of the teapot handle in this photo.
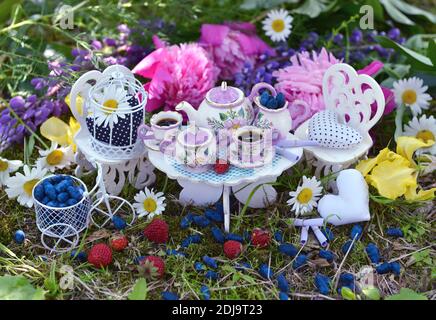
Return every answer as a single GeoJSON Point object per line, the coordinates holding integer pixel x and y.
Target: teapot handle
{"type": "Point", "coordinates": [82, 87]}
{"type": "Point", "coordinates": [257, 87]}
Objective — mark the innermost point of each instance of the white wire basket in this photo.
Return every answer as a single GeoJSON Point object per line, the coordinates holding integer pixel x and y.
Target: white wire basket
{"type": "Point", "coordinates": [60, 226]}
{"type": "Point", "coordinates": [113, 109]}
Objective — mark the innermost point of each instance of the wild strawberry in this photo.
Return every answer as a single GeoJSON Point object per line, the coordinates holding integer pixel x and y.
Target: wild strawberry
{"type": "Point", "coordinates": [221, 166]}
{"type": "Point", "coordinates": [232, 249]}
{"type": "Point", "coordinates": [152, 267]}
{"type": "Point", "coordinates": [157, 231]}
{"type": "Point", "coordinates": [100, 255]}
{"type": "Point", "coordinates": [119, 242]}
{"type": "Point", "coordinates": [260, 238]}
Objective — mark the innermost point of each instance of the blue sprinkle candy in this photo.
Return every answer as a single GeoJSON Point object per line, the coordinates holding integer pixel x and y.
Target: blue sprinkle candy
{"type": "Point", "coordinates": [283, 296]}
{"type": "Point", "coordinates": [214, 215]}
{"type": "Point", "coordinates": [39, 192]}
{"type": "Point", "coordinates": [19, 236]}
{"type": "Point", "coordinates": [137, 260]}
{"type": "Point", "coordinates": [62, 205]}
{"type": "Point", "coordinates": [288, 249]}
{"type": "Point", "coordinates": [195, 238]}
{"type": "Point", "coordinates": [198, 266]}
{"type": "Point", "coordinates": [50, 191]}
{"type": "Point", "coordinates": [280, 98]}
{"type": "Point", "coordinates": [272, 104]}
{"type": "Point", "coordinates": [174, 252]}
{"type": "Point", "coordinates": [186, 221]}
{"type": "Point", "coordinates": [347, 246]}
{"type": "Point", "coordinates": [235, 237]}
{"type": "Point", "coordinates": [75, 192]}
{"type": "Point", "coordinates": [243, 266]}
{"type": "Point", "coordinates": [201, 221]}
{"type": "Point", "coordinates": [322, 283]}
{"type": "Point", "coordinates": [282, 283]}
{"type": "Point", "coordinates": [56, 179]}
{"type": "Point", "coordinates": [278, 236]}
{"type": "Point", "coordinates": [346, 278]}
{"type": "Point", "coordinates": [356, 231]}
{"type": "Point", "coordinates": [373, 253]}
{"type": "Point", "coordinates": [395, 268]}
{"type": "Point", "coordinates": [205, 292]}
{"type": "Point", "coordinates": [265, 271]}
{"type": "Point", "coordinates": [167, 295]}
{"type": "Point", "coordinates": [71, 202]}
{"type": "Point", "coordinates": [247, 236]}
{"type": "Point", "coordinates": [45, 200]}
{"type": "Point", "coordinates": [264, 98]}
{"type": "Point", "coordinates": [62, 186]}
{"type": "Point", "coordinates": [299, 261]}
{"type": "Point", "coordinates": [218, 235]}
{"type": "Point", "coordinates": [211, 275]}
{"type": "Point", "coordinates": [326, 254]}
{"type": "Point", "coordinates": [395, 232]}
{"type": "Point", "coordinates": [383, 268]}
{"type": "Point", "coordinates": [210, 262]}
{"type": "Point", "coordinates": [53, 204]}
{"type": "Point", "coordinates": [119, 223]}
{"type": "Point", "coordinates": [63, 197]}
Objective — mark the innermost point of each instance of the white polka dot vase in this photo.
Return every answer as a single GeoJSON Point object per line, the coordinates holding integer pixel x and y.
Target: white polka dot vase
{"type": "Point", "coordinates": [113, 110]}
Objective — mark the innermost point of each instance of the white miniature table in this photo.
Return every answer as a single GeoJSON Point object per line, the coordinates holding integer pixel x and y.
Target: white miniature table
{"type": "Point", "coordinates": [207, 187]}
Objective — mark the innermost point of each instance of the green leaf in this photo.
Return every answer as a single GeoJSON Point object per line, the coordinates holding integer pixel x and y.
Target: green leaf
{"type": "Point", "coordinates": [223, 116]}
{"type": "Point", "coordinates": [378, 9]}
{"type": "Point", "coordinates": [416, 59]}
{"type": "Point", "coordinates": [412, 10]}
{"type": "Point", "coordinates": [262, 4]}
{"type": "Point", "coordinates": [313, 8]}
{"type": "Point", "coordinates": [407, 294]}
{"type": "Point", "coordinates": [395, 13]}
{"type": "Point", "coordinates": [371, 293]}
{"type": "Point", "coordinates": [139, 291]}
{"type": "Point", "coordinates": [348, 294]}
{"type": "Point", "coordinates": [6, 7]}
{"type": "Point", "coordinates": [19, 288]}
{"type": "Point", "coordinates": [431, 51]}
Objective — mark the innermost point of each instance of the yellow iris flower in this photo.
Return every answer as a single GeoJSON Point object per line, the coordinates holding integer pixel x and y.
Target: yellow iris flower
{"type": "Point", "coordinates": [56, 130]}
{"type": "Point", "coordinates": [395, 174]}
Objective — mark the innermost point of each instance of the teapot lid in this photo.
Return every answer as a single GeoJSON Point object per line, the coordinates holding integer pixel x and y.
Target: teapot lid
{"type": "Point", "coordinates": [224, 95]}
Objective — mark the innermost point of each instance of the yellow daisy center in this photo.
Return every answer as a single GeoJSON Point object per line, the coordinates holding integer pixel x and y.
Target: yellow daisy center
{"type": "Point", "coordinates": [278, 25]}
{"type": "Point", "coordinates": [55, 157]}
{"type": "Point", "coordinates": [28, 186]}
{"type": "Point", "coordinates": [409, 96]}
{"type": "Point", "coordinates": [150, 205]}
{"type": "Point", "coordinates": [3, 165]}
{"type": "Point", "coordinates": [111, 104]}
{"type": "Point", "coordinates": [424, 135]}
{"type": "Point", "coordinates": [305, 195]}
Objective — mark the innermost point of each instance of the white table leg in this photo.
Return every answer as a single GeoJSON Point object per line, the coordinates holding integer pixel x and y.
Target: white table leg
{"type": "Point", "coordinates": [226, 208]}
{"type": "Point", "coordinates": [263, 196]}
{"type": "Point", "coordinates": [199, 194]}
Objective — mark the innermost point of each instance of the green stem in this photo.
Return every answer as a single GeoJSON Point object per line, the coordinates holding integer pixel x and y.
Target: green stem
{"type": "Point", "coordinates": [399, 121]}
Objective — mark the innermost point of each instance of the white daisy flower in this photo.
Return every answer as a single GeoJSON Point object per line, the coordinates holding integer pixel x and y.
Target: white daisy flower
{"type": "Point", "coordinates": [423, 128]}
{"type": "Point", "coordinates": [21, 185]}
{"type": "Point", "coordinates": [55, 158]}
{"type": "Point", "coordinates": [6, 168]}
{"type": "Point", "coordinates": [412, 93]}
{"type": "Point", "coordinates": [278, 25]}
{"type": "Point", "coordinates": [149, 203]}
{"type": "Point", "coordinates": [113, 98]}
{"type": "Point", "coordinates": [306, 197]}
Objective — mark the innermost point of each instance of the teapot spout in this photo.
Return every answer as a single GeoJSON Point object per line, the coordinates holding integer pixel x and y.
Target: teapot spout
{"type": "Point", "coordinates": [188, 109]}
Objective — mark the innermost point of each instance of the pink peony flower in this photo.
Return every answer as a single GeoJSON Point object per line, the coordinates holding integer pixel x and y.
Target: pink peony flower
{"type": "Point", "coordinates": [231, 45]}
{"type": "Point", "coordinates": [372, 69]}
{"type": "Point", "coordinates": [301, 83]}
{"type": "Point", "coordinates": [177, 73]}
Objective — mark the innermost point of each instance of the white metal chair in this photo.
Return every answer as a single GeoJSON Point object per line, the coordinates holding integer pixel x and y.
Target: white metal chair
{"type": "Point", "coordinates": [351, 96]}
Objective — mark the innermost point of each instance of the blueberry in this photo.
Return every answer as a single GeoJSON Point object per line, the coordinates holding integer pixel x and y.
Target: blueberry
{"type": "Point", "coordinates": [63, 197]}
{"type": "Point", "coordinates": [39, 192]}
{"type": "Point", "coordinates": [19, 236]}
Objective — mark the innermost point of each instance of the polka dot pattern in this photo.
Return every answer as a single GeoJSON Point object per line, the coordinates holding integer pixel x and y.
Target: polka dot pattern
{"type": "Point", "coordinates": [121, 135]}
{"type": "Point", "coordinates": [325, 129]}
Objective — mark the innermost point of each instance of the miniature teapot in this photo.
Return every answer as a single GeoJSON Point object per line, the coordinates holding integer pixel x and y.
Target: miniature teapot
{"type": "Point", "coordinates": [224, 107]}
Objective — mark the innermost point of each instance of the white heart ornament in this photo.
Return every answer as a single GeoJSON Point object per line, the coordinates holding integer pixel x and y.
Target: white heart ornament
{"type": "Point", "coordinates": [351, 205]}
{"type": "Point", "coordinates": [325, 129]}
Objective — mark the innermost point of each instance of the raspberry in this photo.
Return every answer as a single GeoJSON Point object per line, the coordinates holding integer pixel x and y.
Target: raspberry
{"type": "Point", "coordinates": [100, 255]}
{"type": "Point", "coordinates": [157, 231]}
{"type": "Point", "coordinates": [152, 267]}
{"type": "Point", "coordinates": [221, 166]}
{"type": "Point", "coordinates": [260, 238]}
{"type": "Point", "coordinates": [119, 242]}
{"type": "Point", "coordinates": [232, 249]}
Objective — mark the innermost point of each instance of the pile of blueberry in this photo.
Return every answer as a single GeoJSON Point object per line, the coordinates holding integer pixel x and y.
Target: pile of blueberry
{"type": "Point", "coordinates": [271, 102]}
{"type": "Point", "coordinates": [59, 191]}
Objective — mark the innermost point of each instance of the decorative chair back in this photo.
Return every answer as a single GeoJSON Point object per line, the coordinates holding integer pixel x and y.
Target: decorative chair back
{"type": "Point", "coordinates": [357, 99]}
{"type": "Point", "coordinates": [113, 109]}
